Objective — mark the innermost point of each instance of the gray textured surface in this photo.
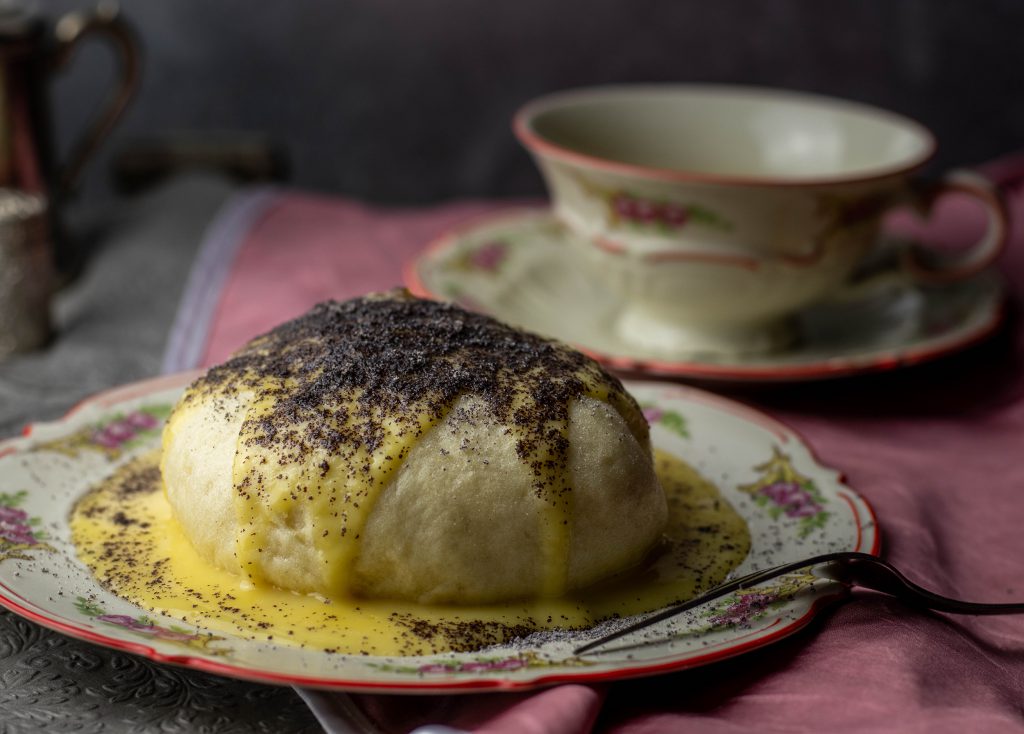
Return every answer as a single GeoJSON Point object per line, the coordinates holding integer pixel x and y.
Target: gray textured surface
{"type": "Point", "coordinates": [112, 323]}
{"type": "Point", "coordinates": [410, 101]}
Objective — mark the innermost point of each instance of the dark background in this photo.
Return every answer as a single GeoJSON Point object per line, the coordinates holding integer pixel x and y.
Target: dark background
{"type": "Point", "coordinates": [406, 101]}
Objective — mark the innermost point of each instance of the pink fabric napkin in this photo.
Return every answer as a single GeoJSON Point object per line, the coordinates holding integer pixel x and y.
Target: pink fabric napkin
{"type": "Point", "coordinates": [560, 710]}
{"type": "Point", "coordinates": [306, 249]}
{"type": "Point", "coordinates": [938, 450]}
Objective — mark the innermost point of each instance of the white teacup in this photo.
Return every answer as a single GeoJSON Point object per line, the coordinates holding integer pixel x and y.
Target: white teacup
{"type": "Point", "coordinates": [716, 213]}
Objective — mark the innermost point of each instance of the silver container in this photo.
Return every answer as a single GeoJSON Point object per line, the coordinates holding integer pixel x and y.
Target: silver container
{"type": "Point", "coordinates": [26, 272]}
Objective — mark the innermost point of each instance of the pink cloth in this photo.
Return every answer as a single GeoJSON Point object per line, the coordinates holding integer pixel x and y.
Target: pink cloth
{"type": "Point", "coordinates": [938, 450]}
{"type": "Point", "coordinates": [308, 248]}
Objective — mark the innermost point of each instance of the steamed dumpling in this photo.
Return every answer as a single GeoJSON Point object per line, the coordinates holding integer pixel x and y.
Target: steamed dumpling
{"type": "Point", "coordinates": [398, 448]}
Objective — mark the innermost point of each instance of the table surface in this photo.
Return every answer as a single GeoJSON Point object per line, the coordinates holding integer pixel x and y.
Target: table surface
{"type": "Point", "coordinates": [111, 326]}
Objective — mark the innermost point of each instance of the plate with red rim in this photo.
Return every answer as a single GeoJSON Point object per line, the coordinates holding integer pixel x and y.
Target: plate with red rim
{"type": "Point", "coordinates": [519, 266]}
{"type": "Point", "coordinates": [793, 505]}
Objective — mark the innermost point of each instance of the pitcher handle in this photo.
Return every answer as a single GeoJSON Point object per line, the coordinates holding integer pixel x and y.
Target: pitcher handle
{"type": "Point", "coordinates": [103, 22]}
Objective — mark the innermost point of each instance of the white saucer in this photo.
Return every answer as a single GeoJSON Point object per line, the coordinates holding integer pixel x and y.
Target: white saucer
{"type": "Point", "coordinates": [517, 266]}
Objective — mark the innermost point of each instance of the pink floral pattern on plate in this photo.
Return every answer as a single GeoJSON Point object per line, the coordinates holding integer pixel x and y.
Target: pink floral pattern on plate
{"type": "Point", "coordinates": [747, 606]}
{"type": "Point", "coordinates": [481, 664]}
{"type": "Point", "coordinates": [19, 533]}
{"type": "Point", "coordinates": [112, 436]}
{"type": "Point", "coordinates": [787, 493]}
{"type": "Point", "coordinates": [673, 420]}
{"type": "Point", "coordinates": [145, 627]}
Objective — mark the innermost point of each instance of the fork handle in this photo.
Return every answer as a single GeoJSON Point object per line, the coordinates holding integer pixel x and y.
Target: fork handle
{"type": "Point", "coordinates": [873, 573]}
{"type": "Point", "coordinates": [849, 568]}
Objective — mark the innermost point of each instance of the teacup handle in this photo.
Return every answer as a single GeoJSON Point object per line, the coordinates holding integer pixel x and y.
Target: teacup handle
{"type": "Point", "coordinates": [912, 263]}
{"type": "Point", "coordinates": [928, 265]}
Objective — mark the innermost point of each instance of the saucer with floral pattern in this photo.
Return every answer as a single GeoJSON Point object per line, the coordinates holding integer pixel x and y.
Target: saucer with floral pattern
{"type": "Point", "coordinates": [518, 266]}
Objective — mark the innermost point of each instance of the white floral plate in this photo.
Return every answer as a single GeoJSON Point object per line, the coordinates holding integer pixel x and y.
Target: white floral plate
{"type": "Point", "coordinates": [519, 267]}
{"type": "Point", "coordinates": [794, 507]}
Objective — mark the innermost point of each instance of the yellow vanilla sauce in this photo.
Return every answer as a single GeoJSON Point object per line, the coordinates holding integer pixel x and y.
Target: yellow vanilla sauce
{"type": "Point", "coordinates": [339, 497]}
{"type": "Point", "coordinates": [125, 533]}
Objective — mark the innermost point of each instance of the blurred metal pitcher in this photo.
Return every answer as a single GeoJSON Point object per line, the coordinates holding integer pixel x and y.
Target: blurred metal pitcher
{"type": "Point", "coordinates": [32, 183]}
{"type": "Point", "coordinates": [31, 50]}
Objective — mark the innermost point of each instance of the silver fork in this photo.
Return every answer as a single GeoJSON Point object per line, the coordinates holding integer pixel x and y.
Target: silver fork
{"type": "Point", "coordinates": [849, 568]}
